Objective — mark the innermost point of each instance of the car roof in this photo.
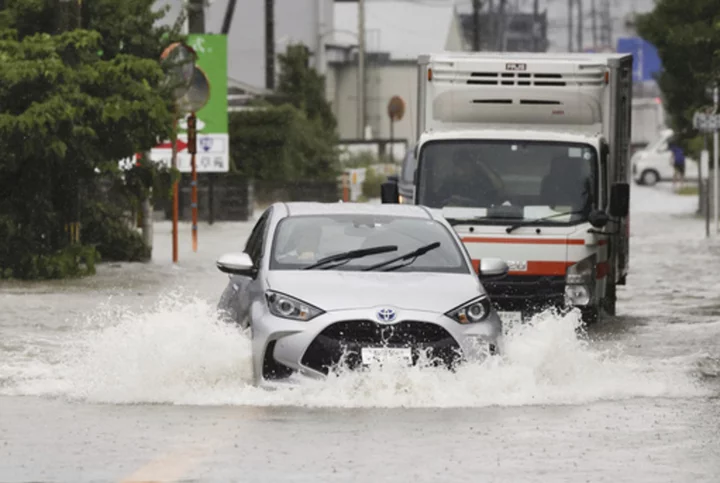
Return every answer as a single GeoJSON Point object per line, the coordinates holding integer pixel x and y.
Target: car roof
{"type": "Point", "coordinates": [305, 208]}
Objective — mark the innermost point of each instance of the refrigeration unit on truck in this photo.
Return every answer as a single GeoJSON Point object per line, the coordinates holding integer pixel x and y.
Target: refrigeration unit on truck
{"type": "Point", "coordinates": [527, 157]}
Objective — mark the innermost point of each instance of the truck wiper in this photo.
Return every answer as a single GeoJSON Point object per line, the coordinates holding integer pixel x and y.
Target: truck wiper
{"type": "Point", "coordinates": [540, 220]}
{"type": "Point", "coordinates": [408, 256]}
{"type": "Point", "coordinates": [351, 255]}
{"type": "Point", "coordinates": [460, 221]}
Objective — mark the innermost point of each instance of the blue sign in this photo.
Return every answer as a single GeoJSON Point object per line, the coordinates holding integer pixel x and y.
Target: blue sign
{"type": "Point", "coordinates": [646, 62]}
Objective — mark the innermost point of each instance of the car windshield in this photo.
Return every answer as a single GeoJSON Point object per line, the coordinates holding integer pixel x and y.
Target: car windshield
{"type": "Point", "coordinates": [301, 241]}
{"type": "Point", "coordinates": [510, 181]}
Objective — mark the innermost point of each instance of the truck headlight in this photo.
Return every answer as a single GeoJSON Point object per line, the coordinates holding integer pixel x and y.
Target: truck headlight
{"type": "Point", "coordinates": [579, 281]}
{"type": "Point", "coordinates": [577, 294]}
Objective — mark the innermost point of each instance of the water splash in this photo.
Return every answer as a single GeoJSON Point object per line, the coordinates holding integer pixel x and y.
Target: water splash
{"type": "Point", "coordinates": [179, 352]}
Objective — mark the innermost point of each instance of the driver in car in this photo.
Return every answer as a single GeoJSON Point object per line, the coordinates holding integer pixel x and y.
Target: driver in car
{"type": "Point", "coordinates": [304, 245]}
{"type": "Point", "coordinates": [469, 184]}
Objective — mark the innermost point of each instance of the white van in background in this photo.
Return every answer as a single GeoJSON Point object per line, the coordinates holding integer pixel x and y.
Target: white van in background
{"type": "Point", "coordinates": [655, 163]}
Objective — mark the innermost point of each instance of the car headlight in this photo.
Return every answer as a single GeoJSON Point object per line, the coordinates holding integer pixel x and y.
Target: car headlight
{"type": "Point", "coordinates": [287, 307]}
{"type": "Point", "coordinates": [471, 312]}
{"type": "Point", "coordinates": [579, 281]}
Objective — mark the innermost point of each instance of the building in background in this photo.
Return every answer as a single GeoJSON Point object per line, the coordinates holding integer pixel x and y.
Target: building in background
{"type": "Point", "coordinates": [397, 32]}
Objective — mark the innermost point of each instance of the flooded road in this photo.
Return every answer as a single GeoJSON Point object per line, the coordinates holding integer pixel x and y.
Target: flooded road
{"type": "Point", "coordinates": [127, 376]}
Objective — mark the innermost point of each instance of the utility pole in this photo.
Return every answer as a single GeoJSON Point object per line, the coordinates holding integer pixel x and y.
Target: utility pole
{"type": "Point", "coordinates": [605, 24]}
{"type": "Point", "coordinates": [361, 71]}
{"type": "Point", "coordinates": [580, 25]}
{"type": "Point", "coordinates": [716, 176]}
{"type": "Point", "coordinates": [570, 25]}
{"type": "Point", "coordinates": [196, 16]}
{"type": "Point", "coordinates": [476, 26]}
{"type": "Point", "coordinates": [227, 20]}
{"type": "Point", "coordinates": [270, 44]}
{"type": "Point", "coordinates": [503, 26]}
{"type": "Point", "coordinates": [593, 19]}
{"type": "Point", "coordinates": [320, 64]}
{"type": "Point", "coordinates": [536, 26]}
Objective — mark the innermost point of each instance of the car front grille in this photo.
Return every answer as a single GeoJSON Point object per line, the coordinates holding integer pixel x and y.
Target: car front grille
{"type": "Point", "coordinates": [527, 293]}
{"type": "Point", "coordinates": [343, 341]}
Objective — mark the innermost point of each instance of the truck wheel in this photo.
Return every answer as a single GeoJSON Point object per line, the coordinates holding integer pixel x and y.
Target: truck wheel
{"type": "Point", "coordinates": [650, 177]}
{"type": "Point", "coordinates": [611, 299]}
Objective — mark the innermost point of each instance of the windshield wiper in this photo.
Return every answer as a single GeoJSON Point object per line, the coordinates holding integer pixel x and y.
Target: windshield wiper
{"type": "Point", "coordinates": [352, 254]}
{"type": "Point", "coordinates": [460, 221]}
{"type": "Point", "coordinates": [408, 256]}
{"type": "Point", "coordinates": [540, 220]}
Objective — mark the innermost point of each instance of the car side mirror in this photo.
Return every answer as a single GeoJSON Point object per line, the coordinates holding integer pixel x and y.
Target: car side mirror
{"type": "Point", "coordinates": [236, 264]}
{"type": "Point", "coordinates": [598, 218]}
{"type": "Point", "coordinates": [492, 268]}
{"type": "Point", "coordinates": [620, 200]}
{"type": "Point", "coordinates": [389, 192]}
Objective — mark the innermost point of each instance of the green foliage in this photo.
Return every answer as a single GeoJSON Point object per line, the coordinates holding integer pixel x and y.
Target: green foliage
{"type": "Point", "coordinates": [687, 37]}
{"type": "Point", "coordinates": [304, 87]}
{"type": "Point", "coordinates": [279, 143]}
{"type": "Point", "coordinates": [372, 183]}
{"type": "Point", "coordinates": [290, 135]}
{"type": "Point", "coordinates": [69, 114]}
{"type": "Point", "coordinates": [105, 227]}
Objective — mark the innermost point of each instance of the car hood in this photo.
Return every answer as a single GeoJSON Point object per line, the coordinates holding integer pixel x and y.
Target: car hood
{"type": "Point", "coordinates": [338, 290]}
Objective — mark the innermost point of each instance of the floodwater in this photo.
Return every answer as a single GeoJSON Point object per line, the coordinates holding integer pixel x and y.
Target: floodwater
{"type": "Point", "coordinates": [127, 376]}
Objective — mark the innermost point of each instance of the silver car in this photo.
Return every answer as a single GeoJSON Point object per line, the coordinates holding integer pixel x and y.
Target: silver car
{"type": "Point", "coordinates": [324, 286]}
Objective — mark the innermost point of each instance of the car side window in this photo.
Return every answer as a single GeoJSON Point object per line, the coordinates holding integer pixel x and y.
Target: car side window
{"type": "Point", "coordinates": [254, 245]}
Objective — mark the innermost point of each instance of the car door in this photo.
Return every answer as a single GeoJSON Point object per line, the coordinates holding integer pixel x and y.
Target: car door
{"type": "Point", "coordinates": [249, 289]}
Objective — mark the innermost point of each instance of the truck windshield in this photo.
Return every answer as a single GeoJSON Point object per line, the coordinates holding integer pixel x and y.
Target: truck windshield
{"type": "Point", "coordinates": [509, 181]}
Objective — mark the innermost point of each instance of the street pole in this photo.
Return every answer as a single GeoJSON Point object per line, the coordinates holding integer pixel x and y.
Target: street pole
{"type": "Point", "coordinates": [270, 45]}
{"type": "Point", "coordinates": [536, 26]}
{"type": "Point", "coordinates": [593, 20]}
{"type": "Point", "coordinates": [320, 62]}
{"type": "Point", "coordinates": [361, 71]}
{"type": "Point", "coordinates": [579, 26]}
{"type": "Point", "coordinates": [176, 189]}
{"type": "Point", "coordinates": [192, 149]}
{"type": "Point", "coordinates": [716, 178]}
{"type": "Point", "coordinates": [476, 26]}
{"type": "Point", "coordinates": [570, 25]}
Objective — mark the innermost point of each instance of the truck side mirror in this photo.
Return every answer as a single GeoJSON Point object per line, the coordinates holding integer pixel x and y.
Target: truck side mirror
{"type": "Point", "coordinates": [389, 192]}
{"type": "Point", "coordinates": [619, 200]}
{"type": "Point", "coordinates": [598, 218]}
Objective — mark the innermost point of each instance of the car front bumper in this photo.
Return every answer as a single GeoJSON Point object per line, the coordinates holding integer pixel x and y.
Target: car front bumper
{"type": "Point", "coordinates": [311, 348]}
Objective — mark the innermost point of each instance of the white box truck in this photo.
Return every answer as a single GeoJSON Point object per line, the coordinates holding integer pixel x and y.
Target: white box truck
{"type": "Point", "coordinates": [526, 154]}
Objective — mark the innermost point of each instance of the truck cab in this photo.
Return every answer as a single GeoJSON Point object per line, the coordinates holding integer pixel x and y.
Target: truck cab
{"type": "Point", "coordinates": [526, 156]}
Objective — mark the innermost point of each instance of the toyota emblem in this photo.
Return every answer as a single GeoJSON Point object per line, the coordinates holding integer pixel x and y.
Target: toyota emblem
{"type": "Point", "coordinates": [386, 315]}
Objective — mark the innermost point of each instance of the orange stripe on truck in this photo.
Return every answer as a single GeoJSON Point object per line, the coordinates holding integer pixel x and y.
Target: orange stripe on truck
{"type": "Point", "coordinates": [528, 241]}
{"type": "Point", "coordinates": [536, 268]}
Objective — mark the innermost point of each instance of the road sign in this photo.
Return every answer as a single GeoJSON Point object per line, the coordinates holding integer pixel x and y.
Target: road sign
{"type": "Point", "coordinates": [646, 61]}
{"type": "Point", "coordinates": [706, 122]}
{"type": "Point", "coordinates": [396, 108]}
{"type": "Point", "coordinates": [213, 142]}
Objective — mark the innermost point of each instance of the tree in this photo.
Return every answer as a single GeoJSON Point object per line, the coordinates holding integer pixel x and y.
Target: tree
{"type": "Point", "coordinates": [73, 105]}
{"type": "Point", "coordinates": [292, 134]}
{"type": "Point", "coordinates": [303, 87]}
{"type": "Point", "coordinates": [686, 34]}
